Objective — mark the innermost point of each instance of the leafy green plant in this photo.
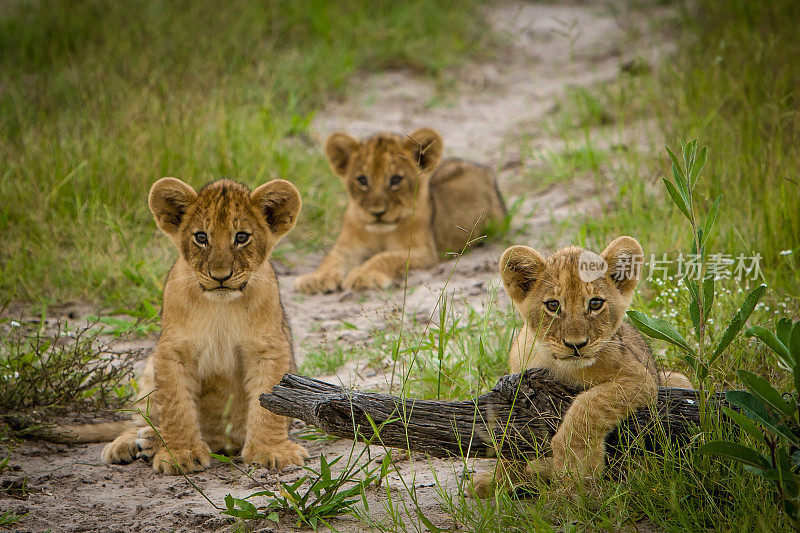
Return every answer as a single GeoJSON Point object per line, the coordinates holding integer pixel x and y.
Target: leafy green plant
{"type": "Point", "coordinates": [771, 419]}
{"type": "Point", "coordinates": [325, 495]}
{"type": "Point", "coordinates": [701, 357]}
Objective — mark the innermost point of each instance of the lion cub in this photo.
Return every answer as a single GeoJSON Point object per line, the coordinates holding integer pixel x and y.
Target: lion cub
{"type": "Point", "coordinates": [574, 327]}
{"type": "Point", "coordinates": [405, 208]}
{"type": "Point", "coordinates": [224, 337]}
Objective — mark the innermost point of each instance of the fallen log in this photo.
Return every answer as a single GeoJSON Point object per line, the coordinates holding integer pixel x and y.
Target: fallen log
{"type": "Point", "coordinates": [520, 414]}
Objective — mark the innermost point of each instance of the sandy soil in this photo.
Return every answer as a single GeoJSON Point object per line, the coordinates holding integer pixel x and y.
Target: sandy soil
{"type": "Point", "coordinates": [482, 117]}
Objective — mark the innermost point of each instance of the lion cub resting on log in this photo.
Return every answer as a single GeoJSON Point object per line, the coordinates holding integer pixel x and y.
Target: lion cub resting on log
{"type": "Point", "coordinates": [224, 340]}
{"type": "Point", "coordinates": [574, 328]}
{"type": "Point", "coordinates": [404, 208]}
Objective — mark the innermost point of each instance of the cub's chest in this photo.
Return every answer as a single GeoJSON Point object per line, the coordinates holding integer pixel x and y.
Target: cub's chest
{"type": "Point", "coordinates": [217, 351]}
{"type": "Point", "coordinates": [216, 342]}
{"type": "Point", "coordinates": [218, 338]}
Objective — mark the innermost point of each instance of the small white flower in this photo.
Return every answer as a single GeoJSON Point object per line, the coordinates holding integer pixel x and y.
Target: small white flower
{"type": "Point", "coordinates": [785, 252]}
{"type": "Point", "coordinates": [15, 324]}
{"type": "Point", "coordinates": [16, 375]}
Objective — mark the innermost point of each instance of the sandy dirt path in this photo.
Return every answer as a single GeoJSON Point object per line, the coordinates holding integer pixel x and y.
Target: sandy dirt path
{"type": "Point", "coordinates": [483, 116]}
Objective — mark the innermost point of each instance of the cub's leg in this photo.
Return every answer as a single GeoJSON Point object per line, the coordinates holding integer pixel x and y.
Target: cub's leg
{"type": "Point", "coordinates": [176, 394]}
{"type": "Point", "coordinates": [345, 254]}
{"type": "Point", "coordinates": [266, 441]}
{"type": "Point", "coordinates": [379, 271]}
{"type": "Point", "coordinates": [579, 444]}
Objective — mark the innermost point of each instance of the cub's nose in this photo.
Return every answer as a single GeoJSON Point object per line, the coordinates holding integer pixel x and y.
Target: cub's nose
{"type": "Point", "coordinates": [377, 214]}
{"type": "Point", "coordinates": [220, 276]}
{"type": "Point", "coordinates": [576, 346]}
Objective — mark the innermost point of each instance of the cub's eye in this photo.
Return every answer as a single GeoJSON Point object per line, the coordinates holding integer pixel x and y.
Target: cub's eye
{"type": "Point", "coordinates": [552, 305]}
{"type": "Point", "coordinates": [362, 180]}
{"type": "Point", "coordinates": [595, 304]}
{"type": "Point", "coordinates": [395, 180]}
{"type": "Point", "coordinates": [242, 237]}
{"type": "Point", "coordinates": [201, 238]}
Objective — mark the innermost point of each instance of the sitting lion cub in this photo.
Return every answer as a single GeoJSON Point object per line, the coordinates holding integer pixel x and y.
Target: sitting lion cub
{"type": "Point", "coordinates": [405, 208]}
{"type": "Point", "coordinates": [574, 328]}
{"type": "Point", "coordinates": [224, 337]}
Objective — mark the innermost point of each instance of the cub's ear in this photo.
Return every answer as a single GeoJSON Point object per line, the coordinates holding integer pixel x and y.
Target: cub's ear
{"type": "Point", "coordinates": [425, 146]}
{"type": "Point", "coordinates": [279, 202]}
{"type": "Point", "coordinates": [520, 267]}
{"type": "Point", "coordinates": [625, 258]}
{"type": "Point", "coordinates": [169, 200]}
{"type": "Point", "coordinates": [339, 148]}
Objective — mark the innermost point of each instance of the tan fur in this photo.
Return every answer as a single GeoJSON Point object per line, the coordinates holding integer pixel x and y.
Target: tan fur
{"type": "Point", "coordinates": [615, 365]}
{"type": "Point", "coordinates": [89, 432]}
{"type": "Point", "coordinates": [431, 208]}
{"type": "Point", "coordinates": [224, 339]}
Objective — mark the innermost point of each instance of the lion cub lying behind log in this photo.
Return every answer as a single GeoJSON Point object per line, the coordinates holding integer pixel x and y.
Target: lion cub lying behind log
{"type": "Point", "coordinates": [404, 207]}
{"type": "Point", "coordinates": [224, 337]}
{"type": "Point", "coordinates": [574, 327]}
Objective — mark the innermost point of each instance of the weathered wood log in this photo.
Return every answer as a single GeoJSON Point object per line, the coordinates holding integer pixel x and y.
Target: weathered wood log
{"type": "Point", "coordinates": [520, 414]}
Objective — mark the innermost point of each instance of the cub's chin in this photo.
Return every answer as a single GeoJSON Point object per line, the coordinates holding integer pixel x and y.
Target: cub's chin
{"type": "Point", "coordinates": [222, 296]}
{"type": "Point", "coordinates": [573, 361]}
{"type": "Point", "coordinates": [381, 228]}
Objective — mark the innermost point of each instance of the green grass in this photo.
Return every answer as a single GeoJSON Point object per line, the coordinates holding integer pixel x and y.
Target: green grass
{"type": "Point", "coordinates": [323, 359]}
{"type": "Point", "coordinates": [99, 100]}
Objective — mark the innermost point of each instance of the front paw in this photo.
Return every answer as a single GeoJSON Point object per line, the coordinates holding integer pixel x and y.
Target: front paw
{"type": "Point", "coordinates": [359, 280]}
{"type": "Point", "coordinates": [146, 443]}
{"type": "Point", "coordinates": [120, 451]}
{"type": "Point", "coordinates": [318, 282]}
{"type": "Point", "coordinates": [183, 460]}
{"type": "Point", "coordinates": [277, 455]}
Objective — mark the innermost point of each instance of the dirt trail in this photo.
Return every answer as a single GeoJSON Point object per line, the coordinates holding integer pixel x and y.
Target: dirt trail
{"type": "Point", "coordinates": [491, 106]}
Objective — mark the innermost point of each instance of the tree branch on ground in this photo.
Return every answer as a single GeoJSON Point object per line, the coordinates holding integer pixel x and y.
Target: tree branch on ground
{"type": "Point", "coordinates": [519, 415]}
